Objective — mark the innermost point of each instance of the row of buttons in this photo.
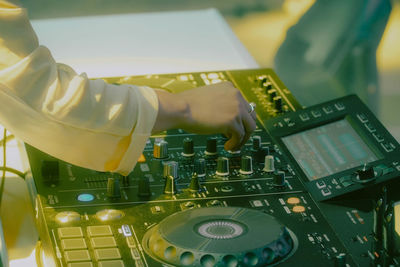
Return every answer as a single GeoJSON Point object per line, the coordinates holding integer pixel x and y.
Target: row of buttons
{"type": "Point", "coordinates": [76, 251]}
{"type": "Point", "coordinates": [316, 113]}
{"type": "Point", "coordinates": [388, 147]}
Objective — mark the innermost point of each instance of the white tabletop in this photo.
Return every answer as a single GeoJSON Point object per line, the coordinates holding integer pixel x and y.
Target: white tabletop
{"type": "Point", "coordinates": [135, 44]}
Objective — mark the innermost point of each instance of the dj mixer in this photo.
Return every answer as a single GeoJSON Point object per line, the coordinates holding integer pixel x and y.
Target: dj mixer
{"type": "Point", "coordinates": [310, 187]}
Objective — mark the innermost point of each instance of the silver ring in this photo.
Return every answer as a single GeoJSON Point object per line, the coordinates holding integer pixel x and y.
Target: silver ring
{"type": "Point", "coordinates": [252, 107]}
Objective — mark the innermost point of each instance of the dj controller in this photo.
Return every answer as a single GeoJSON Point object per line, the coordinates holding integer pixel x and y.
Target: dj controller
{"type": "Point", "coordinates": [313, 186]}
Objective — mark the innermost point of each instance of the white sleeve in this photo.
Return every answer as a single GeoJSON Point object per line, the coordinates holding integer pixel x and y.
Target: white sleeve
{"type": "Point", "coordinates": [88, 123]}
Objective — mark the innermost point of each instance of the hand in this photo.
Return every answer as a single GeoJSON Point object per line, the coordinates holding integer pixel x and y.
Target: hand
{"type": "Point", "coordinates": [217, 108]}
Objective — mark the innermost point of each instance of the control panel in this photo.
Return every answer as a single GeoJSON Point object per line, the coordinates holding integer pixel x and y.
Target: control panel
{"type": "Point", "coordinates": [339, 147]}
{"type": "Point", "coordinates": [188, 202]}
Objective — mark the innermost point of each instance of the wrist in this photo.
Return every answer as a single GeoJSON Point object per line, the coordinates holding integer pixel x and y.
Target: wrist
{"type": "Point", "coordinates": [173, 111]}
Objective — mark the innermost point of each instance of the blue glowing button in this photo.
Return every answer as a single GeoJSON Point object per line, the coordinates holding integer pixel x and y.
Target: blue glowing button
{"type": "Point", "coordinates": [85, 197]}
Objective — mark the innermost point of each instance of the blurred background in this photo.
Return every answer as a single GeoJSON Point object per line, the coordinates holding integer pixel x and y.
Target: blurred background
{"type": "Point", "coordinates": [320, 49]}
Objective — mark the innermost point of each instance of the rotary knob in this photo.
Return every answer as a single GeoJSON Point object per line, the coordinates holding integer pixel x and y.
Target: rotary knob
{"type": "Point", "coordinates": [160, 150]}
{"type": "Point", "coordinates": [200, 167]}
{"type": "Point", "coordinates": [256, 140]}
{"type": "Point", "coordinates": [211, 146]}
{"type": "Point", "coordinates": [279, 178]}
{"type": "Point", "coordinates": [113, 188]}
{"type": "Point", "coordinates": [222, 166]}
{"type": "Point", "coordinates": [194, 185]}
{"type": "Point", "coordinates": [271, 94]}
{"type": "Point", "coordinates": [188, 147]}
{"type": "Point", "coordinates": [278, 103]}
{"type": "Point", "coordinates": [170, 168]}
{"type": "Point", "coordinates": [246, 165]}
{"type": "Point", "coordinates": [366, 173]}
{"type": "Point", "coordinates": [170, 186]}
{"type": "Point", "coordinates": [269, 163]}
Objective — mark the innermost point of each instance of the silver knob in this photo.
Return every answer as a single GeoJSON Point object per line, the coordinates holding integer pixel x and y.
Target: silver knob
{"type": "Point", "coordinates": [160, 150]}
{"type": "Point", "coordinates": [269, 165]}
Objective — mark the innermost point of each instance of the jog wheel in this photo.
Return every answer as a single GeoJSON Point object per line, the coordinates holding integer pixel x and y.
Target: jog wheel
{"type": "Point", "coordinates": [220, 236]}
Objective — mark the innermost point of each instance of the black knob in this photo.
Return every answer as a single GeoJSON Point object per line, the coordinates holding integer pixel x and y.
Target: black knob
{"type": "Point", "coordinates": [246, 165]}
{"type": "Point", "coordinates": [267, 86]}
{"type": "Point", "coordinates": [188, 147]}
{"type": "Point", "coordinates": [170, 186]}
{"type": "Point", "coordinates": [160, 150]}
{"type": "Point", "coordinates": [144, 187]}
{"type": "Point", "coordinates": [340, 260]}
{"type": "Point", "coordinates": [261, 80]}
{"type": "Point", "coordinates": [194, 185]}
{"type": "Point", "coordinates": [366, 173]}
{"type": "Point", "coordinates": [278, 103]}
{"type": "Point", "coordinates": [279, 178]}
{"type": "Point", "coordinates": [200, 167]}
{"type": "Point", "coordinates": [211, 147]}
{"type": "Point", "coordinates": [222, 166]}
{"type": "Point", "coordinates": [256, 142]}
{"type": "Point", "coordinates": [113, 188]}
{"type": "Point", "coordinates": [271, 94]}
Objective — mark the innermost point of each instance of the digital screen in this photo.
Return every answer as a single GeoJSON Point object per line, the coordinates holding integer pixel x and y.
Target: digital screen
{"type": "Point", "coordinates": [328, 149]}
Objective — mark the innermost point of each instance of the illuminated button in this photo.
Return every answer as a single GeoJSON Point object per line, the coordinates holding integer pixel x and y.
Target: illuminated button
{"type": "Point", "coordinates": [77, 255]}
{"type": "Point", "coordinates": [103, 242]}
{"type": "Point", "coordinates": [293, 200]}
{"type": "Point", "coordinates": [67, 216]}
{"type": "Point", "coordinates": [80, 264]}
{"type": "Point", "coordinates": [73, 243]}
{"type": "Point", "coordinates": [117, 263]}
{"type": "Point", "coordinates": [109, 214]}
{"type": "Point", "coordinates": [69, 232]}
{"type": "Point", "coordinates": [107, 254]}
{"type": "Point", "coordinates": [101, 230]}
{"type": "Point", "coordinates": [85, 197]}
{"type": "Point", "coordinates": [299, 209]}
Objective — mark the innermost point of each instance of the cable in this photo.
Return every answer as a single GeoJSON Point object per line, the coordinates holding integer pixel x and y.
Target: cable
{"type": "Point", "coordinates": [14, 171]}
{"type": "Point", "coordinates": [3, 177]}
{"type": "Point", "coordinates": [8, 138]}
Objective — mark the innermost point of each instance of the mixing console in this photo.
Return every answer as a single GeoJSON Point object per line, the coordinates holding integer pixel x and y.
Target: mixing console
{"type": "Point", "coordinates": [188, 202]}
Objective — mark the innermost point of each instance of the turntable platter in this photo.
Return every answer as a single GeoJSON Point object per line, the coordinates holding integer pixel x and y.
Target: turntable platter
{"type": "Point", "coordinates": [220, 236]}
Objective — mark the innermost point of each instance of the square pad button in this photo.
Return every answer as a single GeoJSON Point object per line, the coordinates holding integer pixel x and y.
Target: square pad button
{"type": "Point", "coordinates": [69, 232]}
{"type": "Point", "coordinates": [99, 230]}
{"type": "Point", "coordinates": [77, 255]}
{"type": "Point", "coordinates": [107, 254]}
{"type": "Point", "coordinates": [118, 263]}
{"type": "Point", "coordinates": [80, 264]}
{"type": "Point", "coordinates": [73, 243]}
{"type": "Point", "coordinates": [103, 242]}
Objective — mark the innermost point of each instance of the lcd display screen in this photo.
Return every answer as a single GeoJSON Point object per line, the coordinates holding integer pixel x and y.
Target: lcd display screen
{"type": "Point", "coordinates": [328, 149]}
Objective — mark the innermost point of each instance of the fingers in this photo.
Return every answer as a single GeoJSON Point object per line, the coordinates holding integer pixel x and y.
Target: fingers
{"type": "Point", "coordinates": [241, 130]}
